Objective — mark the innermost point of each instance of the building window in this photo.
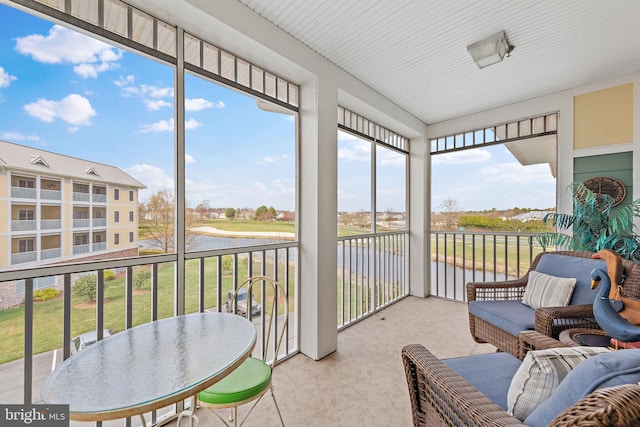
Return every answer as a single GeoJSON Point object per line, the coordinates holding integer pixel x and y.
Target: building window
{"type": "Point", "coordinates": [130, 216]}
{"type": "Point", "coordinates": [131, 195]}
{"type": "Point", "coordinates": [131, 237]}
{"type": "Point", "coordinates": [97, 238]}
{"type": "Point", "coordinates": [26, 245]}
{"type": "Point", "coordinates": [81, 239]}
{"type": "Point", "coordinates": [116, 194]}
{"type": "Point", "coordinates": [24, 183]}
{"type": "Point", "coordinates": [26, 215]}
{"type": "Point", "coordinates": [116, 216]}
{"type": "Point", "coordinates": [116, 239]}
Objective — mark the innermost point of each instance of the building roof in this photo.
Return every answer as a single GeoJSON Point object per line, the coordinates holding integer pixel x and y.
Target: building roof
{"type": "Point", "coordinates": [31, 160]}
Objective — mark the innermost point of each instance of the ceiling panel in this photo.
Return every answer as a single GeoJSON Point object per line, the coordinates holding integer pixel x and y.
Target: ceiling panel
{"type": "Point", "coordinates": [414, 52]}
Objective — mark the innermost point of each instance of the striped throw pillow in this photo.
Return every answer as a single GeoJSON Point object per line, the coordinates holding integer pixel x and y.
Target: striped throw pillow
{"type": "Point", "coordinates": [544, 290]}
{"type": "Point", "coordinates": [540, 373]}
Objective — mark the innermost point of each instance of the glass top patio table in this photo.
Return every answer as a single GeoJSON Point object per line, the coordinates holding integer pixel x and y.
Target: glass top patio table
{"type": "Point", "coordinates": [150, 366]}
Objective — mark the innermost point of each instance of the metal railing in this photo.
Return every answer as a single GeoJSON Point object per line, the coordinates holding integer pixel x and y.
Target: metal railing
{"type": "Point", "coordinates": [51, 194]}
{"type": "Point", "coordinates": [459, 257]}
{"type": "Point", "coordinates": [22, 257]}
{"type": "Point", "coordinates": [23, 193]}
{"type": "Point", "coordinates": [80, 197]}
{"type": "Point", "coordinates": [99, 222]}
{"type": "Point", "coordinates": [126, 301]}
{"type": "Point", "coordinates": [372, 273]}
{"type": "Point", "coordinates": [23, 225]}
{"type": "Point", "coordinates": [98, 246]}
{"type": "Point", "coordinates": [99, 198]}
{"type": "Point", "coordinates": [50, 253]}
{"type": "Point", "coordinates": [50, 224]}
{"type": "Point", "coordinates": [81, 222]}
{"type": "Point", "coordinates": [81, 249]}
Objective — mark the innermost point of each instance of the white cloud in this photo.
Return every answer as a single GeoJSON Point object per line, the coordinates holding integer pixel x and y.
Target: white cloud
{"type": "Point", "coordinates": [271, 159]}
{"type": "Point", "coordinates": [514, 172]}
{"type": "Point", "coordinates": [17, 136]}
{"type": "Point", "coordinates": [73, 109]}
{"type": "Point", "coordinates": [188, 159]}
{"type": "Point", "coordinates": [5, 78]}
{"type": "Point", "coordinates": [478, 155]}
{"type": "Point", "coordinates": [357, 151]}
{"type": "Point", "coordinates": [145, 91]}
{"type": "Point", "coordinates": [60, 46]}
{"type": "Point", "coordinates": [124, 81]}
{"type": "Point", "coordinates": [153, 177]}
{"type": "Point", "coordinates": [156, 104]}
{"type": "Point", "coordinates": [168, 126]}
{"type": "Point", "coordinates": [197, 104]}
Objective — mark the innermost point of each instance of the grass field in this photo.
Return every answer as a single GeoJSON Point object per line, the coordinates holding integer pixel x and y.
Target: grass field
{"type": "Point", "coordinates": [48, 315]}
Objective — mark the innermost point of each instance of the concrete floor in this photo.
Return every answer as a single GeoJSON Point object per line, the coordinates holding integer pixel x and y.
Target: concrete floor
{"type": "Point", "coordinates": [363, 382]}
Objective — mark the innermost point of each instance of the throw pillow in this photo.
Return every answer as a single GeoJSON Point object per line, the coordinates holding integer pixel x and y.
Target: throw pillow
{"type": "Point", "coordinates": [540, 373]}
{"type": "Point", "coordinates": [544, 290]}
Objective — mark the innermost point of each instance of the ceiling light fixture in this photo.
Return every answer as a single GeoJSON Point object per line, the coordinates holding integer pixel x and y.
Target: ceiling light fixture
{"type": "Point", "coordinates": [491, 50]}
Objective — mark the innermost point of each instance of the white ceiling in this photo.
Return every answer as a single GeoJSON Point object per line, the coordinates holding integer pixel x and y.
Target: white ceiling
{"type": "Point", "coordinates": [414, 51]}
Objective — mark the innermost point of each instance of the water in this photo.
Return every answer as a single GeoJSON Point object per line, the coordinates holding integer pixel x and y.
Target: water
{"type": "Point", "coordinates": [203, 243]}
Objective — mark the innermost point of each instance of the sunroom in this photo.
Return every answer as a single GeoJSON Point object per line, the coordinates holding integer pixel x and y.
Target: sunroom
{"type": "Point", "coordinates": [308, 79]}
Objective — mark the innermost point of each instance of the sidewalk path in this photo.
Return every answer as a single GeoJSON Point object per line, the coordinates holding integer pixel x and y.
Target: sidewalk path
{"type": "Point", "coordinates": [260, 234]}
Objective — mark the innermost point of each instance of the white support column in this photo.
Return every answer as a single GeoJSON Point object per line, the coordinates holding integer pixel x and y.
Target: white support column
{"type": "Point", "coordinates": [419, 217]}
{"type": "Point", "coordinates": [318, 218]}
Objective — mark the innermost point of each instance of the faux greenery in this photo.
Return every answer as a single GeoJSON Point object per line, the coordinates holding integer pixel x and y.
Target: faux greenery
{"type": "Point", "coordinates": [593, 225]}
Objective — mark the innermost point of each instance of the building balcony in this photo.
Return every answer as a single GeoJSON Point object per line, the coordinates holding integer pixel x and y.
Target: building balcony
{"type": "Point", "coordinates": [50, 224]}
{"type": "Point", "coordinates": [99, 222]}
{"type": "Point", "coordinates": [98, 246]}
{"type": "Point", "coordinates": [81, 197]}
{"type": "Point", "coordinates": [51, 194]}
{"type": "Point", "coordinates": [23, 225]}
{"type": "Point", "coordinates": [23, 193]}
{"type": "Point", "coordinates": [81, 249]}
{"type": "Point", "coordinates": [99, 198]}
{"type": "Point", "coordinates": [50, 253]}
{"type": "Point", "coordinates": [81, 222]}
{"type": "Point", "coordinates": [22, 257]}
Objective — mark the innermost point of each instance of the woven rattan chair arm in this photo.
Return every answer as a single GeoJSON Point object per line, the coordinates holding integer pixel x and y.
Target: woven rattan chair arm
{"type": "Point", "coordinates": [551, 320]}
{"type": "Point", "coordinates": [504, 290]}
{"type": "Point", "coordinates": [533, 340]}
{"type": "Point", "coordinates": [612, 407]}
{"type": "Point", "coordinates": [436, 390]}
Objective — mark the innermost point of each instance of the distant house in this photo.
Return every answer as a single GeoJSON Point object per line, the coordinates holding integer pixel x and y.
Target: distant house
{"type": "Point", "coordinates": [531, 216]}
{"type": "Point", "coordinates": [55, 208]}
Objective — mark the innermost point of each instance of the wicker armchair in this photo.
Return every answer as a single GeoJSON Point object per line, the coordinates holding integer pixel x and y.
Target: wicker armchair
{"type": "Point", "coordinates": [549, 321]}
{"type": "Point", "coordinates": [440, 397]}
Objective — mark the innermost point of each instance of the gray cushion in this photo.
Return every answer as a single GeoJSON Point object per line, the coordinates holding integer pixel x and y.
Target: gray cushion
{"type": "Point", "coordinates": [501, 367]}
{"type": "Point", "coordinates": [569, 266]}
{"type": "Point", "coordinates": [603, 370]}
{"type": "Point", "coordinates": [510, 316]}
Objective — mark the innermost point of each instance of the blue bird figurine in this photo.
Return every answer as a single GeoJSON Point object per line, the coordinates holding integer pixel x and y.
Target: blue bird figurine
{"type": "Point", "coordinates": [606, 315]}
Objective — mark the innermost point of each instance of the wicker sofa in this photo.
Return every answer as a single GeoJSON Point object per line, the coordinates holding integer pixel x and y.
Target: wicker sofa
{"type": "Point", "coordinates": [440, 396]}
{"type": "Point", "coordinates": [496, 314]}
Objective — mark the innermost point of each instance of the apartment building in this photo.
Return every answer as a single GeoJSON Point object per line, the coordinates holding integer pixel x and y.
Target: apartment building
{"type": "Point", "coordinates": [55, 208]}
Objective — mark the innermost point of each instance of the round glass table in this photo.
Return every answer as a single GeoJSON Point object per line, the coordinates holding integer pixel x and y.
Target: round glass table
{"type": "Point", "coordinates": [150, 366]}
{"type": "Point", "coordinates": [585, 336]}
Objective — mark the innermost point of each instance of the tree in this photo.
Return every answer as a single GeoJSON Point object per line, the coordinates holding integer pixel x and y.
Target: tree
{"type": "Point", "coordinates": [160, 221]}
{"type": "Point", "coordinates": [265, 214]}
{"type": "Point", "coordinates": [449, 207]}
{"type": "Point", "coordinates": [140, 278]}
{"type": "Point", "coordinates": [230, 213]}
{"type": "Point", "coordinates": [202, 209]}
{"type": "Point", "coordinates": [85, 287]}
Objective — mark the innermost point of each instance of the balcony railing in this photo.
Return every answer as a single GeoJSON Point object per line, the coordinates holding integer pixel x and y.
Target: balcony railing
{"type": "Point", "coordinates": [51, 194]}
{"type": "Point", "coordinates": [81, 249]}
{"type": "Point", "coordinates": [372, 273]}
{"type": "Point", "coordinates": [80, 197]}
{"type": "Point", "coordinates": [50, 224]}
{"type": "Point", "coordinates": [23, 193]}
{"type": "Point", "coordinates": [81, 222]}
{"type": "Point", "coordinates": [99, 222]}
{"type": "Point", "coordinates": [22, 257]}
{"type": "Point", "coordinates": [50, 253]}
{"type": "Point", "coordinates": [99, 246]}
{"type": "Point", "coordinates": [460, 257]}
{"type": "Point", "coordinates": [99, 198]}
{"type": "Point", "coordinates": [208, 277]}
{"type": "Point", "coordinates": [23, 225]}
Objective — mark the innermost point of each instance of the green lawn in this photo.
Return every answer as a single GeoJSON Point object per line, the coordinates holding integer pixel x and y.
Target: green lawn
{"type": "Point", "coordinates": [48, 315]}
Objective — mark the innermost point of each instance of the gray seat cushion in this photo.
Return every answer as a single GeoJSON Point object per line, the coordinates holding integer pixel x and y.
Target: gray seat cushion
{"type": "Point", "coordinates": [490, 373]}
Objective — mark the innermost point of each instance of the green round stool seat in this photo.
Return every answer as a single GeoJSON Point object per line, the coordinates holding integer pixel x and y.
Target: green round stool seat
{"type": "Point", "coordinates": [247, 381]}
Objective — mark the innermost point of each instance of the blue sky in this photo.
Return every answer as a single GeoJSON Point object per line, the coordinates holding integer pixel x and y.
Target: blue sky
{"type": "Point", "coordinates": [64, 92]}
